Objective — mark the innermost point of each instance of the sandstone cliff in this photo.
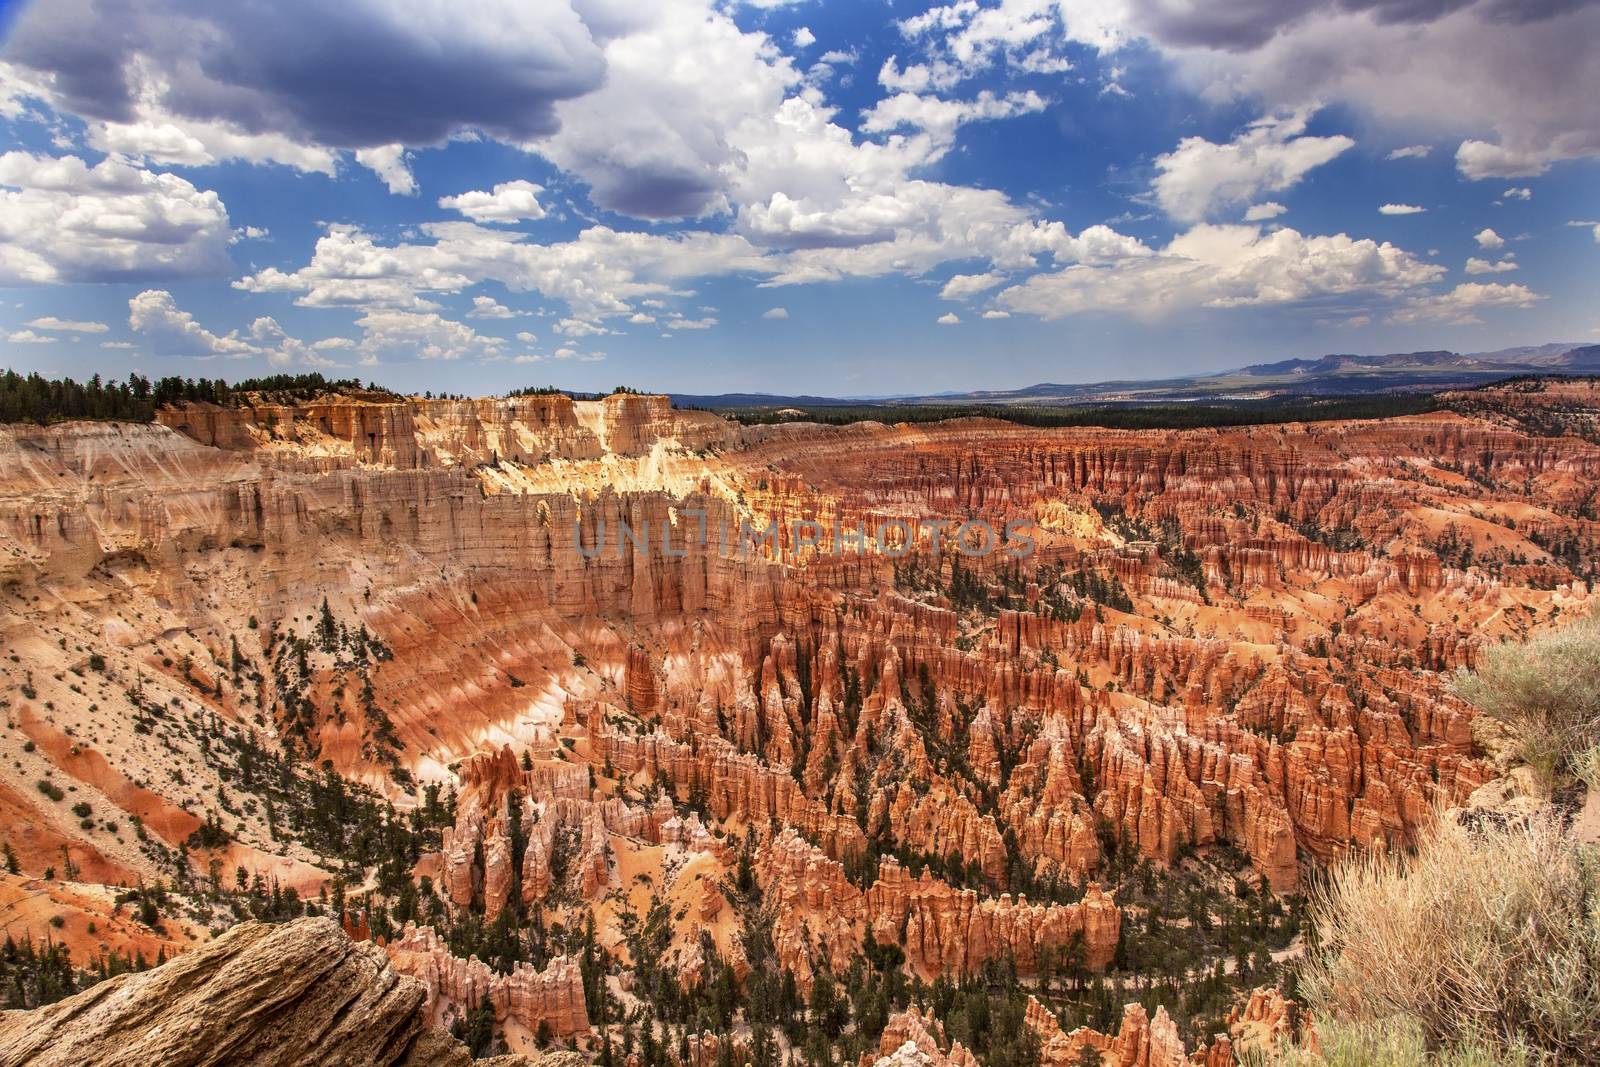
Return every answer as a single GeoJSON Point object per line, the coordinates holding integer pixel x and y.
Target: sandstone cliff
{"type": "Point", "coordinates": [295, 994]}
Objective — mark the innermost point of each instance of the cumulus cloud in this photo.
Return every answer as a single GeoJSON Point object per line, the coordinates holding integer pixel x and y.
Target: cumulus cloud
{"type": "Point", "coordinates": [487, 307]}
{"type": "Point", "coordinates": [1460, 306]}
{"type": "Point", "coordinates": [506, 202]}
{"type": "Point", "coordinates": [1521, 192]}
{"type": "Point", "coordinates": [1415, 151]}
{"type": "Point", "coordinates": [280, 80]}
{"type": "Point", "coordinates": [600, 272]}
{"type": "Point", "coordinates": [1484, 266]}
{"type": "Point", "coordinates": [389, 162]}
{"type": "Point", "coordinates": [996, 313]}
{"type": "Point", "coordinates": [664, 140]}
{"type": "Point", "coordinates": [1217, 266]}
{"type": "Point", "coordinates": [28, 337]}
{"type": "Point", "coordinates": [739, 131]}
{"type": "Point", "coordinates": [420, 335]}
{"type": "Point", "coordinates": [775, 313]}
{"type": "Point", "coordinates": [1400, 209]}
{"type": "Point", "coordinates": [803, 37]}
{"type": "Point", "coordinates": [1521, 74]}
{"type": "Point", "coordinates": [62, 220]}
{"type": "Point", "coordinates": [962, 286]}
{"type": "Point", "coordinates": [1487, 238]}
{"type": "Point", "coordinates": [965, 39]}
{"type": "Point", "coordinates": [1261, 212]}
{"type": "Point", "coordinates": [949, 318]}
{"type": "Point", "coordinates": [174, 332]}
{"type": "Point", "coordinates": [50, 322]}
{"type": "Point", "coordinates": [1200, 178]}
{"type": "Point", "coordinates": [941, 118]}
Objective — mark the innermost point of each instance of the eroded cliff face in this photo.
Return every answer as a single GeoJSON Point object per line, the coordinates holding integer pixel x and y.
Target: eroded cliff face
{"type": "Point", "coordinates": [1222, 640]}
{"type": "Point", "coordinates": [293, 994]}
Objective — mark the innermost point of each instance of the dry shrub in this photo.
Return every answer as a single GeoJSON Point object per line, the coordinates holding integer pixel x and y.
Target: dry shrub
{"type": "Point", "coordinates": [1488, 936]}
{"type": "Point", "coordinates": [1390, 1043]}
{"type": "Point", "coordinates": [1547, 691]}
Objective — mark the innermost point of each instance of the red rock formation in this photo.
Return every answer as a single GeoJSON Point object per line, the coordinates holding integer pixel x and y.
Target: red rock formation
{"type": "Point", "coordinates": [526, 996]}
{"type": "Point", "coordinates": [912, 1039]}
{"type": "Point", "coordinates": [1282, 690]}
{"type": "Point", "coordinates": [941, 929]}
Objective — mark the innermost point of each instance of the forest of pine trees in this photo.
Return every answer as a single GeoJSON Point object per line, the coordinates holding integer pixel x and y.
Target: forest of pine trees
{"type": "Point", "coordinates": [34, 398]}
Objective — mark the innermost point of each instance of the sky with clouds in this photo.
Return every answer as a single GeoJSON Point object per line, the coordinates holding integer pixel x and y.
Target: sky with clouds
{"type": "Point", "coordinates": [850, 198]}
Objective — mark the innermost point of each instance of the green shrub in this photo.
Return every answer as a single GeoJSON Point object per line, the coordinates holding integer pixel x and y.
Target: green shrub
{"type": "Point", "coordinates": [1488, 937]}
{"type": "Point", "coordinates": [1546, 691]}
{"type": "Point", "coordinates": [1386, 1043]}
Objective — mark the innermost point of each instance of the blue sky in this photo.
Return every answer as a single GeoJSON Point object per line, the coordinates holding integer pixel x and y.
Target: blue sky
{"type": "Point", "coordinates": [845, 198]}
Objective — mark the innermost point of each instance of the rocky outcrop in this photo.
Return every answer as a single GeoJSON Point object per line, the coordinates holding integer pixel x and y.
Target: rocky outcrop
{"type": "Point", "coordinates": [1141, 1041]}
{"type": "Point", "coordinates": [297, 993]}
{"type": "Point", "coordinates": [942, 930]}
{"type": "Point", "coordinates": [913, 1039]}
{"type": "Point", "coordinates": [526, 996]}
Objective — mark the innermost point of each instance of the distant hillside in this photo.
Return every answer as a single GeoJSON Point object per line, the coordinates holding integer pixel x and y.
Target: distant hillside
{"type": "Point", "coordinates": [1332, 375]}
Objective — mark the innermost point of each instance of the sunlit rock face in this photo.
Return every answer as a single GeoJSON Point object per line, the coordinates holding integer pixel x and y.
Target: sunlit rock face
{"type": "Point", "coordinates": [551, 611]}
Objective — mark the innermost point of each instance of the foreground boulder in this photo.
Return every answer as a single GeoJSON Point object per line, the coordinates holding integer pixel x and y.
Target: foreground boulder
{"type": "Point", "coordinates": [266, 995]}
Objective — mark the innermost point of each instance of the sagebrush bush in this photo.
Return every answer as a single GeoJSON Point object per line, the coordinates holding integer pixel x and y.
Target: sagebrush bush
{"type": "Point", "coordinates": [1487, 937]}
{"type": "Point", "coordinates": [1389, 1043]}
{"type": "Point", "coordinates": [1547, 692]}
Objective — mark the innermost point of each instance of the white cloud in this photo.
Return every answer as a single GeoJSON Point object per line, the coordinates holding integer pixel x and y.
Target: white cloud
{"type": "Point", "coordinates": [487, 307]}
{"type": "Point", "coordinates": [1523, 75]}
{"type": "Point", "coordinates": [600, 272]}
{"type": "Point", "coordinates": [962, 286]}
{"type": "Point", "coordinates": [50, 322]}
{"type": "Point", "coordinates": [1484, 266]}
{"type": "Point", "coordinates": [507, 202]}
{"type": "Point", "coordinates": [775, 313]}
{"type": "Point", "coordinates": [941, 118]}
{"type": "Point", "coordinates": [1200, 178]}
{"type": "Point", "coordinates": [996, 313]}
{"type": "Point", "coordinates": [1518, 193]}
{"type": "Point", "coordinates": [527, 337]}
{"type": "Point", "coordinates": [1262, 212]}
{"type": "Point", "coordinates": [391, 164]}
{"type": "Point", "coordinates": [1401, 209]}
{"type": "Point", "coordinates": [297, 81]}
{"type": "Point", "coordinates": [28, 337]}
{"type": "Point", "coordinates": [667, 139]}
{"type": "Point", "coordinates": [803, 37]}
{"type": "Point", "coordinates": [1216, 266]}
{"type": "Point", "coordinates": [1480, 160]}
{"type": "Point", "coordinates": [64, 221]}
{"type": "Point", "coordinates": [1415, 151]}
{"type": "Point", "coordinates": [580, 328]}
{"type": "Point", "coordinates": [1459, 306]}
{"type": "Point", "coordinates": [420, 335]}
{"type": "Point", "coordinates": [173, 331]}
{"type": "Point", "coordinates": [1487, 238]}
{"type": "Point", "coordinates": [964, 39]}
{"type": "Point", "coordinates": [120, 345]}
{"type": "Point", "coordinates": [691, 324]}
{"type": "Point", "coordinates": [949, 318]}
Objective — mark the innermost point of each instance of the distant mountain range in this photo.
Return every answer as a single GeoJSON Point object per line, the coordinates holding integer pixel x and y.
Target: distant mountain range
{"type": "Point", "coordinates": [1333, 375]}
